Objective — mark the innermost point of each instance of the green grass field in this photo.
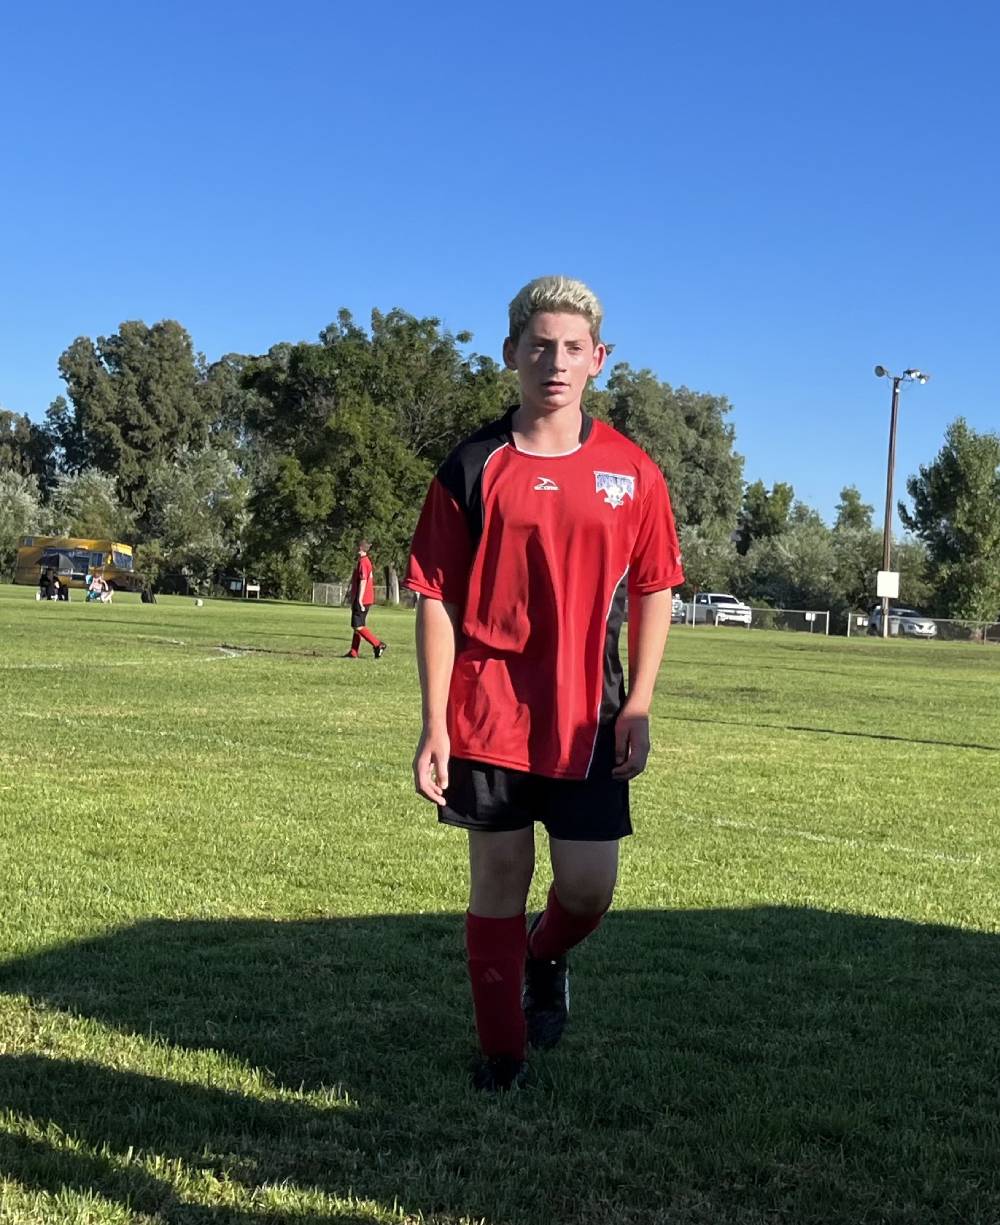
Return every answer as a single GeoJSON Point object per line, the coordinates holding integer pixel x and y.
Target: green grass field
{"type": "Point", "coordinates": [232, 985]}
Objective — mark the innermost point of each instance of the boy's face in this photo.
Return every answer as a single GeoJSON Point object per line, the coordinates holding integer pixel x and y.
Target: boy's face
{"type": "Point", "coordinates": [554, 357]}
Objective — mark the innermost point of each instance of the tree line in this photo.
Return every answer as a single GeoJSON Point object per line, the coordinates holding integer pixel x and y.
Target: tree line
{"type": "Point", "coordinates": [273, 465]}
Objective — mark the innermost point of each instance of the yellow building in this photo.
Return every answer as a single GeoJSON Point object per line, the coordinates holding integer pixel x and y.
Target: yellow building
{"type": "Point", "coordinates": [73, 559]}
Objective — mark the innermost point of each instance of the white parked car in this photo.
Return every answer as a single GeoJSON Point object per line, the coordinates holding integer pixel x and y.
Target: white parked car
{"type": "Point", "coordinates": [719, 608]}
{"type": "Point", "coordinates": [905, 621]}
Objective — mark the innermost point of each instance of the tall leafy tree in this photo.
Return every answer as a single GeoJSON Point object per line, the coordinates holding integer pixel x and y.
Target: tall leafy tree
{"type": "Point", "coordinates": [419, 374]}
{"type": "Point", "coordinates": [765, 513]}
{"type": "Point", "coordinates": [795, 568]}
{"type": "Point", "coordinates": [354, 427]}
{"type": "Point", "coordinates": [87, 504]}
{"type": "Point", "coordinates": [956, 513]}
{"type": "Point", "coordinates": [858, 557]}
{"type": "Point", "coordinates": [852, 513]}
{"type": "Point", "coordinates": [133, 403]}
{"type": "Point", "coordinates": [709, 556]}
{"type": "Point", "coordinates": [26, 448]}
{"type": "Point", "coordinates": [230, 407]}
{"type": "Point", "coordinates": [15, 442]}
{"type": "Point", "coordinates": [196, 515]}
{"type": "Point", "coordinates": [686, 433]}
{"type": "Point", "coordinates": [21, 514]}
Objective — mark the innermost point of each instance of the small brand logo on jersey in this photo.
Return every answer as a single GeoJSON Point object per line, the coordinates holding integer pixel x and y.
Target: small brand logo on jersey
{"type": "Point", "coordinates": [545, 484]}
{"type": "Point", "coordinates": [615, 487]}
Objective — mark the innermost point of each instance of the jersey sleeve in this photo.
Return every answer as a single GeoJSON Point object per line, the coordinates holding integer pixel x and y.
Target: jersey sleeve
{"type": "Point", "coordinates": [441, 552]}
{"type": "Point", "coordinates": [655, 564]}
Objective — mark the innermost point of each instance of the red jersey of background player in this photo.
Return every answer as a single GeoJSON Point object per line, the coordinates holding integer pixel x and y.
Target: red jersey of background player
{"type": "Point", "coordinates": [362, 583]}
{"type": "Point", "coordinates": [539, 553]}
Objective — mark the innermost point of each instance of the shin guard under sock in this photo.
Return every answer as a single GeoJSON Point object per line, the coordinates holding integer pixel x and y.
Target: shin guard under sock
{"type": "Point", "coordinates": [496, 950]}
{"type": "Point", "coordinates": [559, 930]}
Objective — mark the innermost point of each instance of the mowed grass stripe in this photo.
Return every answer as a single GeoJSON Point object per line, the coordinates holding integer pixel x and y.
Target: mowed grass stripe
{"type": "Point", "coordinates": [233, 987]}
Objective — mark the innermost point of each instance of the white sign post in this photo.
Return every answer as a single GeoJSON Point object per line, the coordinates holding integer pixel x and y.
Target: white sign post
{"type": "Point", "coordinates": [886, 588]}
{"type": "Point", "coordinates": [887, 584]}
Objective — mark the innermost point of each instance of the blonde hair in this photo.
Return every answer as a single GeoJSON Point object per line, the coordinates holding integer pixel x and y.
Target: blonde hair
{"type": "Point", "coordinates": [556, 294]}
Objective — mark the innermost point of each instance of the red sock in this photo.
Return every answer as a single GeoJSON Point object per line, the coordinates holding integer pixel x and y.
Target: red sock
{"type": "Point", "coordinates": [355, 643]}
{"type": "Point", "coordinates": [559, 930]}
{"type": "Point", "coordinates": [369, 637]}
{"type": "Point", "coordinates": [496, 970]}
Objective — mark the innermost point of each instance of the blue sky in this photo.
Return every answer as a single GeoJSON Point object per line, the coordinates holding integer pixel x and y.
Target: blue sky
{"type": "Point", "coordinates": [770, 198]}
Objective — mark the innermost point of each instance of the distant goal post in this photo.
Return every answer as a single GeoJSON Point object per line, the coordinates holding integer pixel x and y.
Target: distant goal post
{"type": "Point", "coordinates": [802, 620]}
{"type": "Point", "coordinates": [337, 595]}
{"type": "Point", "coordinates": [334, 595]}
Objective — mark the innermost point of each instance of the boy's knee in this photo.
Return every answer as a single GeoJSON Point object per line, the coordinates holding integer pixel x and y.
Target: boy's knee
{"type": "Point", "coordinates": [500, 884]}
{"type": "Point", "coordinates": [584, 897]}
{"type": "Point", "coordinates": [506, 872]}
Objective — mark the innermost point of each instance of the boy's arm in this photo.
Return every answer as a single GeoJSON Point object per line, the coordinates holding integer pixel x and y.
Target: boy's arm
{"type": "Point", "coordinates": [648, 626]}
{"type": "Point", "coordinates": [437, 632]}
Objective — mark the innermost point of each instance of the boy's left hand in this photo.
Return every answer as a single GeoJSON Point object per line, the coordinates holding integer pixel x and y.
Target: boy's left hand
{"type": "Point", "coordinates": [631, 744]}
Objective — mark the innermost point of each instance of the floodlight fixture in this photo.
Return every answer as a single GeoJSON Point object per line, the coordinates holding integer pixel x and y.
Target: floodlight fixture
{"type": "Point", "coordinates": [908, 376]}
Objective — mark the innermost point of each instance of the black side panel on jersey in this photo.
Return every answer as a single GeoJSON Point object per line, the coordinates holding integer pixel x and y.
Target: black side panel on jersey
{"type": "Point", "coordinates": [613, 693]}
{"type": "Point", "coordinates": [462, 472]}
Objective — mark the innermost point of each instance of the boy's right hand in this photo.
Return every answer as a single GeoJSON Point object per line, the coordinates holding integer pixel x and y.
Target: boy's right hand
{"type": "Point", "coordinates": [430, 766]}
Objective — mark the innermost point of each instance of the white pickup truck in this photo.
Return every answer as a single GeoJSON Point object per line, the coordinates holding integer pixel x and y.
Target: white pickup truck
{"type": "Point", "coordinates": [718, 608]}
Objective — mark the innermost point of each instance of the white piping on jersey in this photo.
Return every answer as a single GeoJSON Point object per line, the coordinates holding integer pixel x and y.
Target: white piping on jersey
{"type": "Point", "coordinates": [548, 454]}
{"type": "Point", "coordinates": [482, 476]}
{"type": "Point", "coordinates": [600, 700]}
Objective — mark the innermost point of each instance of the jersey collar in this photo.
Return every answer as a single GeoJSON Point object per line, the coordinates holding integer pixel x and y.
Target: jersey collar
{"type": "Point", "coordinates": [586, 425]}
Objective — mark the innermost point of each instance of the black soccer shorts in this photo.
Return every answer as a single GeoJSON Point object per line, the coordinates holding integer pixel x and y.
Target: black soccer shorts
{"type": "Point", "coordinates": [358, 619]}
{"type": "Point", "coordinates": [495, 799]}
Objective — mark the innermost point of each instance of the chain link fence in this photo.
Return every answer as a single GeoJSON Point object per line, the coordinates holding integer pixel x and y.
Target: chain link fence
{"type": "Point", "coordinates": [798, 620]}
{"type": "Point", "coordinates": [927, 629]}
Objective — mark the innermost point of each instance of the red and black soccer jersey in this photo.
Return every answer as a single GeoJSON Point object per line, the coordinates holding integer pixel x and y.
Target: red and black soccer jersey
{"type": "Point", "coordinates": [539, 552]}
{"type": "Point", "coordinates": [361, 581]}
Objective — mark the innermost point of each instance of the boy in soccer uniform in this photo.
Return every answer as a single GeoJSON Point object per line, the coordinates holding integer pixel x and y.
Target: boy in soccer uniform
{"type": "Point", "coordinates": [362, 598]}
{"type": "Point", "coordinates": [534, 533]}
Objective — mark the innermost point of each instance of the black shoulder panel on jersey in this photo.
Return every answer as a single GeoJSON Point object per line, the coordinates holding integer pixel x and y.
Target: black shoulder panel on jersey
{"type": "Point", "coordinates": [462, 472]}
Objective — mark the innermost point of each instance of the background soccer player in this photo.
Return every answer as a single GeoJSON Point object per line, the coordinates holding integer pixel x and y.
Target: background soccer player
{"type": "Point", "coordinates": [534, 533]}
{"type": "Point", "coordinates": [362, 598]}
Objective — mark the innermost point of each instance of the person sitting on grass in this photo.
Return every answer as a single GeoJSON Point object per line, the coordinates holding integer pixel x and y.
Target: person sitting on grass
{"type": "Point", "coordinates": [98, 588]}
{"type": "Point", "coordinates": [533, 534]}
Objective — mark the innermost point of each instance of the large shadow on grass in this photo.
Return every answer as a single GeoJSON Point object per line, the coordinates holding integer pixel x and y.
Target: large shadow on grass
{"type": "Point", "coordinates": [769, 1064]}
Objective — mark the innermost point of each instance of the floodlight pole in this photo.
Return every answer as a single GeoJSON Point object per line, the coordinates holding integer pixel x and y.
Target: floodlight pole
{"type": "Point", "coordinates": [887, 526]}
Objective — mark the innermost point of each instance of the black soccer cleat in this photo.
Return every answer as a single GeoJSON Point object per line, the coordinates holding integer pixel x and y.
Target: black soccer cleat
{"type": "Point", "coordinates": [499, 1073]}
{"type": "Point", "coordinates": [381, 649]}
{"type": "Point", "coordinates": [545, 998]}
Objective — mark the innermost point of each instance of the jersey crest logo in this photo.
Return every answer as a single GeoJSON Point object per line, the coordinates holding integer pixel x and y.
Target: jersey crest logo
{"type": "Point", "coordinates": [615, 487]}
{"type": "Point", "coordinates": [545, 484]}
